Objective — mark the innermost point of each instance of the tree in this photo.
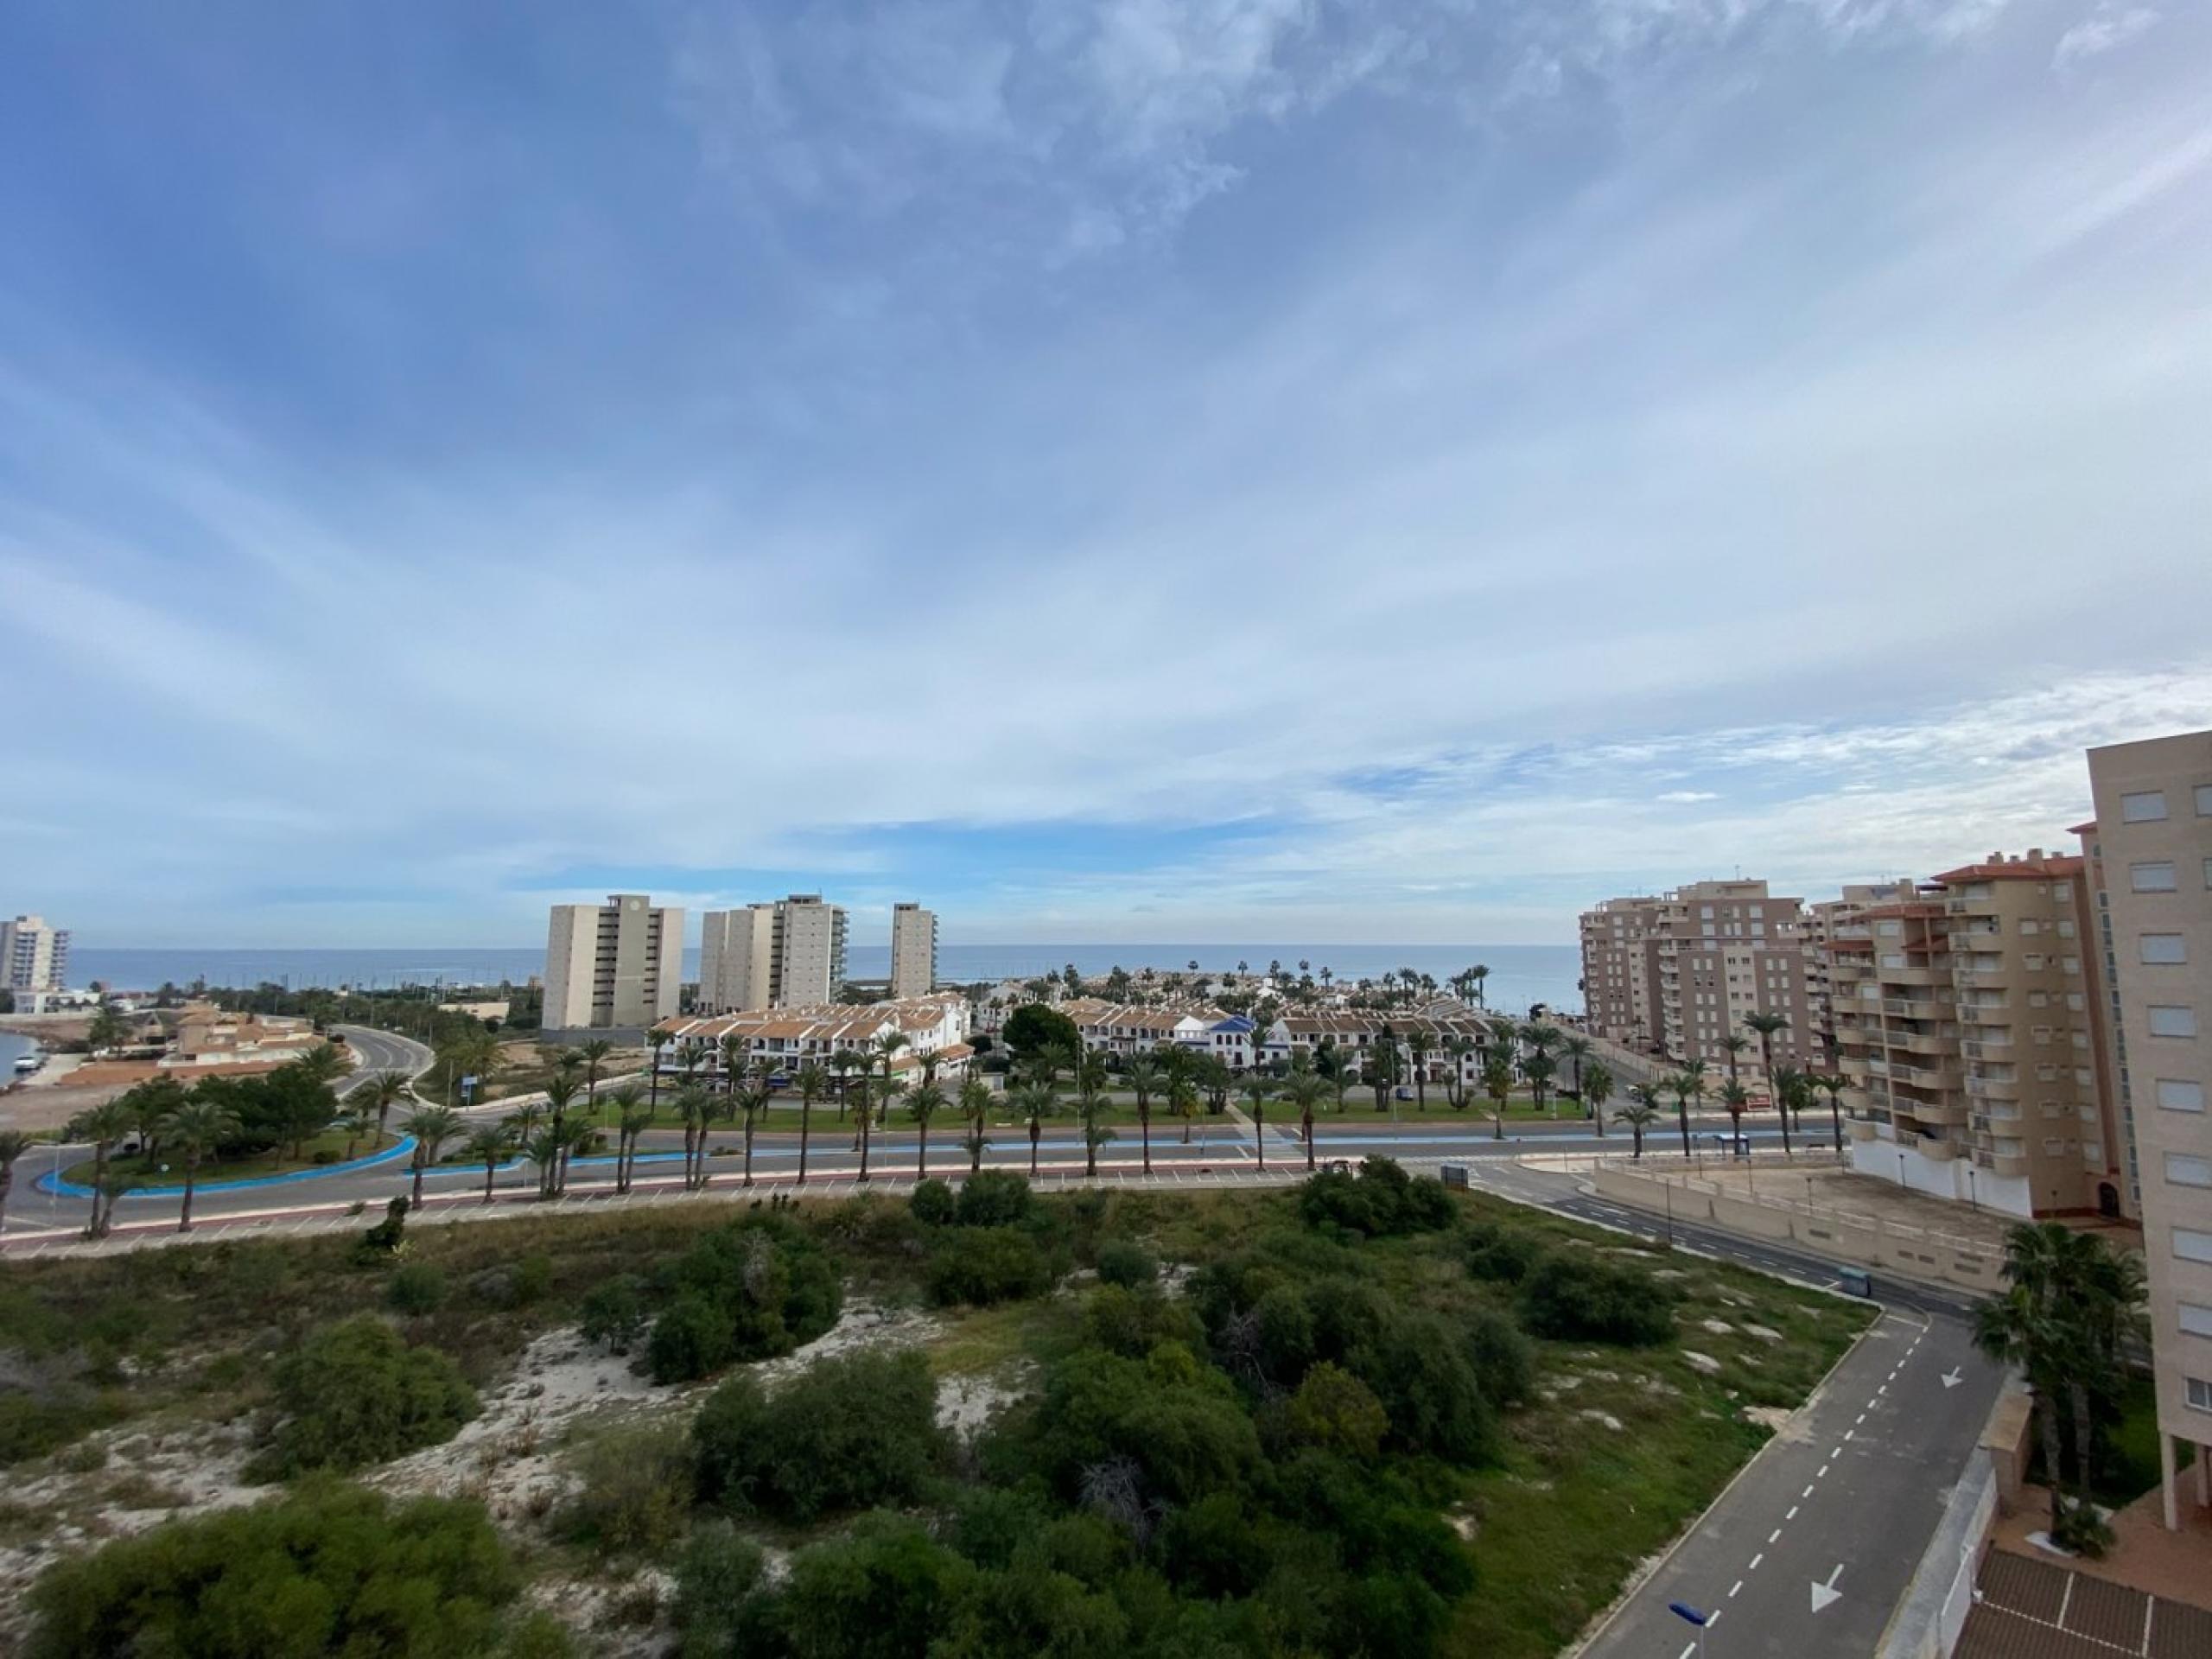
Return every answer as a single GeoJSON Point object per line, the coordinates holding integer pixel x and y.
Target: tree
{"type": "Point", "coordinates": [108, 1029]}
{"type": "Point", "coordinates": [14, 1143]}
{"type": "Point", "coordinates": [690, 1102]}
{"type": "Point", "coordinates": [1641, 1113]}
{"type": "Point", "coordinates": [1306, 1090]}
{"type": "Point", "coordinates": [561, 1092]}
{"type": "Point", "coordinates": [1033, 1101]}
{"type": "Point", "coordinates": [1832, 1086]}
{"type": "Point", "coordinates": [105, 1126]}
{"type": "Point", "coordinates": [1733, 1046]}
{"type": "Point", "coordinates": [634, 1114]}
{"type": "Point", "coordinates": [975, 1110]}
{"type": "Point", "coordinates": [489, 1144]}
{"type": "Point", "coordinates": [752, 1100]}
{"type": "Point", "coordinates": [732, 1050]}
{"type": "Point", "coordinates": [658, 1040]}
{"type": "Point", "coordinates": [1033, 1027]}
{"type": "Point", "coordinates": [1539, 1068]}
{"type": "Point", "coordinates": [357, 1393]}
{"type": "Point", "coordinates": [1417, 1044]}
{"type": "Point", "coordinates": [1687, 1085]}
{"type": "Point", "coordinates": [1597, 1089]}
{"type": "Point", "coordinates": [1256, 1089]}
{"type": "Point", "coordinates": [1144, 1079]}
{"type": "Point", "coordinates": [1497, 1083]}
{"type": "Point", "coordinates": [595, 1054]}
{"type": "Point", "coordinates": [386, 1090]}
{"type": "Point", "coordinates": [1766, 1024]}
{"type": "Point", "coordinates": [1735, 1097]}
{"type": "Point", "coordinates": [924, 1101]}
{"type": "Point", "coordinates": [194, 1130]}
{"type": "Point", "coordinates": [813, 1081]}
{"type": "Point", "coordinates": [432, 1127]}
{"type": "Point", "coordinates": [844, 1062]}
{"type": "Point", "coordinates": [887, 1046]}
{"type": "Point", "coordinates": [1576, 1047]}
{"type": "Point", "coordinates": [356, 1121]}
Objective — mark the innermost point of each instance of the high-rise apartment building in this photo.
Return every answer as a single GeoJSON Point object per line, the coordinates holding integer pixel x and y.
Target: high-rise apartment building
{"type": "Point", "coordinates": [616, 965]}
{"type": "Point", "coordinates": [32, 957]}
{"type": "Point", "coordinates": [1967, 1023]}
{"type": "Point", "coordinates": [2152, 843]}
{"type": "Point", "coordinates": [1679, 974]}
{"type": "Point", "coordinates": [786, 954]}
{"type": "Point", "coordinates": [1822, 921]}
{"type": "Point", "coordinates": [913, 951]}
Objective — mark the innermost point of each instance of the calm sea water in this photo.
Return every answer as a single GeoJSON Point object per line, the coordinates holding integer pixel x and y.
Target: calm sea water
{"type": "Point", "coordinates": [1520, 974]}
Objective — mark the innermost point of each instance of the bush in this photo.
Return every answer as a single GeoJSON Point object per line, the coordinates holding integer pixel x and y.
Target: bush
{"type": "Point", "coordinates": [993, 1197]}
{"type": "Point", "coordinates": [1382, 1200]}
{"type": "Point", "coordinates": [852, 1431]}
{"type": "Point", "coordinates": [1335, 1411]}
{"type": "Point", "coordinates": [718, 1580]}
{"type": "Point", "coordinates": [637, 1489]}
{"type": "Point", "coordinates": [533, 1279]}
{"type": "Point", "coordinates": [886, 1589]}
{"type": "Point", "coordinates": [356, 1393]}
{"type": "Point", "coordinates": [1125, 1263]}
{"type": "Point", "coordinates": [613, 1312]}
{"type": "Point", "coordinates": [982, 1265]}
{"type": "Point", "coordinates": [1131, 1322]}
{"type": "Point", "coordinates": [1501, 1255]}
{"type": "Point", "coordinates": [932, 1203]}
{"type": "Point", "coordinates": [1426, 1381]}
{"type": "Point", "coordinates": [1579, 1299]}
{"type": "Point", "coordinates": [1505, 1364]}
{"type": "Point", "coordinates": [691, 1337]}
{"type": "Point", "coordinates": [329, 1568]}
{"type": "Point", "coordinates": [416, 1287]}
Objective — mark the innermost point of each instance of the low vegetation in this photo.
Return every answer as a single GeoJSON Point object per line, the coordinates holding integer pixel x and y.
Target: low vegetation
{"type": "Point", "coordinates": [1368, 1416]}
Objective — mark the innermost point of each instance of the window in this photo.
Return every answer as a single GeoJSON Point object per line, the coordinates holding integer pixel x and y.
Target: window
{"type": "Point", "coordinates": [2172, 1021]}
{"type": "Point", "coordinates": [2066, 929]}
{"type": "Point", "coordinates": [2204, 800]}
{"type": "Point", "coordinates": [2181, 1095]}
{"type": "Point", "coordinates": [2192, 1245]}
{"type": "Point", "coordinates": [2163, 950]}
{"type": "Point", "coordinates": [2200, 1394]}
{"type": "Point", "coordinates": [2197, 1321]}
{"type": "Point", "coordinates": [2186, 1169]}
{"type": "Point", "coordinates": [2145, 806]}
{"type": "Point", "coordinates": [2155, 877]}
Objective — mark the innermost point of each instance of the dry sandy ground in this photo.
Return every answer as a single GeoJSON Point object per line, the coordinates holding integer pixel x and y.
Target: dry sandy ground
{"type": "Point", "coordinates": [513, 1457]}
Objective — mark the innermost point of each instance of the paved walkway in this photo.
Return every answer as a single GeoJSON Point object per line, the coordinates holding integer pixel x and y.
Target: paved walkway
{"type": "Point", "coordinates": [2028, 1609]}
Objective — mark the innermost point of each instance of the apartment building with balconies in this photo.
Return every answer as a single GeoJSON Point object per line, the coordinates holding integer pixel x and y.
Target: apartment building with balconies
{"type": "Point", "coordinates": [613, 967]}
{"type": "Point", "coordinates": [1821, 920]}
{"type": "Point", "coordinates": [789, 953]}
{"type": "Point", "coordinates": [2150, 853]}
{"type": "Point", "coordinates": [1967, 1025]}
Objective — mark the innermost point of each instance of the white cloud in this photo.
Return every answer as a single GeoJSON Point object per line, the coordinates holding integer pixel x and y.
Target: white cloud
{"type": "Point", "coordinates": [1686, 797]}
{"type": "Point", "coordinates": [2108, 27]}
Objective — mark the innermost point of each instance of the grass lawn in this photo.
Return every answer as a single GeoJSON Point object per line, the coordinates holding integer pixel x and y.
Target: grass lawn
{"type": "Point", "coordinates": [167, 1172]}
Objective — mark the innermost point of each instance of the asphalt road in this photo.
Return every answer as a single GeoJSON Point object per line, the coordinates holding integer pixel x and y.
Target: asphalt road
{"type": "Point", "coordinates": [381, 1051]}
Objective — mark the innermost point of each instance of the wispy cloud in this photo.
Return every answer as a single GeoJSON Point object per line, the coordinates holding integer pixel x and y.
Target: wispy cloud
{"type": "Point", "coordinates": [2103, 30]}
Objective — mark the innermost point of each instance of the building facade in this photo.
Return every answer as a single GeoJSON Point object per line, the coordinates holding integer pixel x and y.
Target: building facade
{"type": "Point", "coordinates": [619, 965]}
{"type": "Point", "coordinates": [913, 951]}
{"type": "Point", "coordinates": [34, 957]}
{"type": "Point", "coordinates": [1680, 974]}
{"type": "Point", "coordinates": [2151, 842]}
{"type": "Point", "coordinates": [787, 954]}
{"type": "Point", "coordinates": [1822, 921]}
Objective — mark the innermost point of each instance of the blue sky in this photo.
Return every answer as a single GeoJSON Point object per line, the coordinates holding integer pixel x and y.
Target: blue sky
{"type": "Point", "coordinates": [1262, 469]}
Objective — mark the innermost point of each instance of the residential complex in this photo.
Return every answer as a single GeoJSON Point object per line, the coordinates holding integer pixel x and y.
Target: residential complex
{"type": "Point", "coordinates": [1822, 921]}
{"type": "Point", "coordinates": [2150, 849]}
{"type": "Point", "coordinates": [935, 1030]}
{"type": "Point", "coordinates": [1679, 974]}
{"type": "Point", "coordinates": [615, 966]}
{"type": "Point", "coordinates": [34, 959]}
{"type": "Point", "coordinates": [786, 954]}
{"type": "Point", "coordinates": [1967, 1023]}
{"type": "Point", "coordinates": [913, 951]}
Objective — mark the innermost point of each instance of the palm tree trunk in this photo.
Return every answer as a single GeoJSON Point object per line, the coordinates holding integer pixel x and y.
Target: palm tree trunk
{"type": "Point", "coordinates": [2084, 1439]}
{"type": "Point", "coordinates": [1683, 1112]}
{"type": "Point", "coordinates": [1307, 1124]}
{"type": "Point", "coordinates": [1835, 1112]}
{"type": "Point", "coordinates": [1033, 1131]}
{"type": "Point", "coordinates": [748, 1148]}
{"type": "Point", "coordinates": [1637, 1129]}
{"type": "Point", "coordinates": [865, 1115]}
{"type": "Point", "coordinates": [99, 1177]}
{"type": "Point", "coordinates": [1144, 1129]}
{"type": "Point", "coordinates": [806, 1121]}
{"type": "Point", "coordinates": [191, 1180]}
{"type": "Point", "coordinates": [2047, 1427]}
{"type": "Point", "coordinates": [922, 1154]}
{"type": "Point", "coordinates": [1736, 1130]}
{"type": "Point", "coordinates": [1260, 1132]}
{"type": "Point", "coordinates": [417, 1203]}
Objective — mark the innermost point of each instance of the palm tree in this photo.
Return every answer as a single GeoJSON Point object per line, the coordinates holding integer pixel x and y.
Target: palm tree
{"type": "Point", "coordinates": [1597, 1089]}
{"type": "Point", "coordinates": [733, 1048]}
{"type": "Point", "coordinates": [1735, 1097]}
{"type": "Point", "coordinates": [386, 1092]}
{"type": "Point", "coordinates": [1832, 1086]}
{"type": "Point", "coordinates": [924, 1101]}
{"type": "Point", "coordinates": [489, 1144]}
{"type": "Point", "coordinates": [1091, 1103]}
{"type": "Point", "coordinates": [1687, 1085]}
{"type": "Point", "coordinates": [14, 1143]}
{"type": "Point", "coordinates": [633, 1114]}
{"type": "Point", "coordinates": [1497, 1083]}
{"type": "Point", "coordinates": [1641, 1113]}
{"type": "Point", "coordinates": [193, 1130]}
{"type": "Point", "coordinates": [690, 1102]}
{"type": "Point", "coordinates": [356, 1121]}
{"type": "Point", "coordinates": [1766, 1024]}
{"type": "Point", "coordinates": [1733, 1046]}
{"type": "Point", "coordinates": [1478, 973]}
{"type": "Point", "coordinates": [1033, 1101]}
{"type": "Point", "coordinates": [1576, 1047]}
{"type": "Point", "coordinates": [543, 1147]}
{"type": "Point", "coordinates": [812, 1080]}
{"type": "Point", "coordinates": [659, 1040]}
{"type": "Point", "coordinates": [103, 1125]}
{"type": "Point", "coordinates": [1304, 1090]}
{"type": "Point", "coordinates": [1538, 1068]}
{"type": "Point", "coordinates": [844, 1062]}
{"type": "Point", "coordinates": [1256, 1089]}
{"type": "Point", "coordinates": [594, 1053]}
{"type": "Point", "coordinates": [1417, 1045]}
{"type": "Point", "coordinates": [432, 1127]}
{"type": "Point", "coordinates": [975, 1109]}
{"type": "Point", "coordinates": [561, 1091]}
{"type": "Point", "coordinates": [751, 1101]}
{"type": "Point", "coordinates": [1182, 1102]}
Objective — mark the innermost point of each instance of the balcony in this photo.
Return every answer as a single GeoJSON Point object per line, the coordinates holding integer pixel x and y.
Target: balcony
{"type": "Point", "coordinates": [1899, 1008]}
{"type": "Point", "coordinates": [1934, 1147]}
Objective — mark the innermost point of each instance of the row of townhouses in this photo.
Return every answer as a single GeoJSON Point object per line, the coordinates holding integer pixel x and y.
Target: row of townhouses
{"type": "Point", "coordinates": [936, 1027]}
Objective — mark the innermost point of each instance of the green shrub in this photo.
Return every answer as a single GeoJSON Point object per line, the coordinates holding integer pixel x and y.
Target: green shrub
{"type": "Point", "coordinates": [691, 1337]}
{"type": "Point", "coordinates": [1125, 1263]}
{"type": "Point", "coordinates": [719, 1605]}
{"type": "Point", "coordinates": [886, 1589]}
{"type": "Point", "coordinates": [613, 1312]}
{"type": "Point", "coordinates": [852, 1431]}
{"type": "Point", "coordinates": [1581, 1298]}
{"type": "Point", "coordinates": [993, 1197]}
{"type": "Point", "coordinates": [1335, 1411]}
{"type": "Point", "coordinates": [31, 1426]}
{"type": "Point", "coordinates": [356, 1393]}
{"type": "Point", "coordinates": [416, 1287]}
{"type": "Point", "coordinates": [329, 1568]}
{"type": "Point", "coordinates": [982, 1265]}
{"type": "Point", "coordinates": [636, 1493]}
{"type": "Point", "coordinates": [1131, 1322]}
{"type": "Point", "coordinates": [533, 1279]}
{"type": "Point", "coordinates": [932, 1203]}
{"type": "Point", "coordinates": [1381, 1201]}
{"type": "Point", "coordinates": [1504, 1363]}
{"type": "Point", "coordinates": [1502, 1255]}
{"type": "Point", "coordinates": [1426, 1380]}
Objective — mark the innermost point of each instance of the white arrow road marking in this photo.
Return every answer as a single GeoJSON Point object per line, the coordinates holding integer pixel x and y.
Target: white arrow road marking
{"type": "Point", "coordinates": [1824, 1594]}
{"type": "Point", "coordinates": [1953, 1377]}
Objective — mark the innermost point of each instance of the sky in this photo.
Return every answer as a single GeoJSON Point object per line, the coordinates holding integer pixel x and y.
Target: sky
{"type": "Point", "coordinates": [1302, 470]}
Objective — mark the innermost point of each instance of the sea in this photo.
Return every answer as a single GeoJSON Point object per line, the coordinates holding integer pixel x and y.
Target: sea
{"type": "Point", "coordinates": [1520, 975]}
